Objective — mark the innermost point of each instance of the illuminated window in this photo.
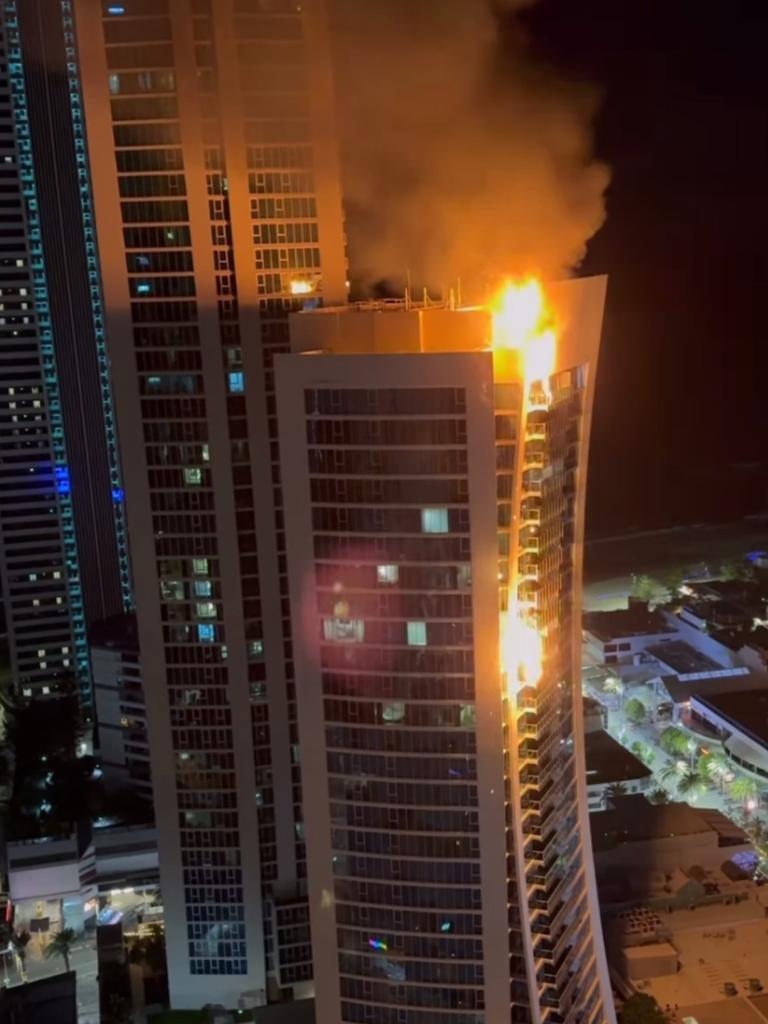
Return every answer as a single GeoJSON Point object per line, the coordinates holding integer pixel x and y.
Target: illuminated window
{"type": "Point", "coordinates": [200, 566]}
{"type": "Point", "coordinates": [463, 576]}
{"type": "Point", "coordinates": [193, 476]}
{"type": "Point", "coordinates": [434, 520]}
{"type": "Point", "coordinates": [344, 630]}
{"type": "Point", "coordinates": [206, 609]}
{"type": "Point", "coordinates": [236, 382]}
{"type": "Point", "coordinates": [393, 711]}
{"type": "Point", "coordinates": [387, 574]}
{"type": "Point", "coordinates": [467, 715]}
{"type": "Point", "coordinates": [206, 634]}
{"type": "Point", "coordinates": [172, 590]}
{"type": "Point", "coordinates": [203, 588]}
{"type": "Point", "coordinates": [256, 650]}
{"type": "Point", "coordinates": [417, 634]}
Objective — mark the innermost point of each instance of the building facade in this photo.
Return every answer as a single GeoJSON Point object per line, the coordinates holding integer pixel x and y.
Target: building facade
{"type": "Point", "coordinates": [40, 573]}
{"type": "Point", "coordinates": [434, 500]}
{"type": "Point", "coordinates": [216, 185]}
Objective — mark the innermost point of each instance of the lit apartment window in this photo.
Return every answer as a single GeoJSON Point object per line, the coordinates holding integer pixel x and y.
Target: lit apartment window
{"type": "Point", "coordinates": [417, 634]}
{"type": "Point", "coordinates": [193, 476]}
{"type": "Point", "coordinates": [393, 711]}
{"type": "Point", "coordinates": [206, 634]}
{"type": "Point", "coordinates": [203, 588]}
{"type": "Point", "coordinates": [350, 631]}
{"type": "Point", "coordinates": [200, 566]}
{"type": "Point", "coordinates": [236, 382]}
{"type": "Point", "coordinates": [387, 574]}
{"type": "Point", "coordinates": [206, 609]}
{"type": "Point", "coordinates": [434, 520]}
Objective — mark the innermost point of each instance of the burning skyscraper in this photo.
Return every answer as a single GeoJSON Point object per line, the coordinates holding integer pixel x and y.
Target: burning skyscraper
{"type": "Point", "coordinates": [434, 465]}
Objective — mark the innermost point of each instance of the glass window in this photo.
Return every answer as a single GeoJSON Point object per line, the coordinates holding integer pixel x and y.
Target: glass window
{"type": "Point", "coordinates": [200, 566]}
{"type": "Point", "coordinates": [463, 576]}
{"type": "Point", "coordinates": [203, 588]}
{"type": "Point", "coordinates": [344, 630]}
{"type": "Point", "coordinates": [206, 634]}
{"type": "Point", "coordinates": [236, 382]}
{"type": "Point", "coordinates": [467, 715]}
{"type": "Point", "coordinates": [393, 711]}
{"type": "Point", "coordinates": [206, 609]}
{"type": "Point", "coordinates": [172, 590]}
{"type": "Point", "coordinates": [256, 650]}
{"type": "Point", "coordinates": [417, 634]}
{"type": "Point", "coordinates": [434, 520]}
{"type": "Point", "coordinates": [193, 476]}
{"type": "Point", "coordinates": [387, 574]}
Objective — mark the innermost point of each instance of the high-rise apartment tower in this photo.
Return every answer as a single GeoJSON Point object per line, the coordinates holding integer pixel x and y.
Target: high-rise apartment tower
{"type": "Point", "coordinates": [218, 210]}
{"type": "Point", "coordinates": [63, 553]}
{"type": "Point", "coordinates": [434, 492]}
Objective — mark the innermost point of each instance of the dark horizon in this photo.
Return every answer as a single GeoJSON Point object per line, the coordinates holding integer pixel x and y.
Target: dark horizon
{"type": "Point", "coordinates": [678, 432]}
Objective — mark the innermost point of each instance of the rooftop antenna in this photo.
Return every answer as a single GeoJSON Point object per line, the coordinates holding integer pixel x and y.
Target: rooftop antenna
{"type": "Point", "coordinates": [458, 289]}
{"type": "Point", "coordinates": [451, 299]}
{"type": "Point", "coordinates": [407, 289]}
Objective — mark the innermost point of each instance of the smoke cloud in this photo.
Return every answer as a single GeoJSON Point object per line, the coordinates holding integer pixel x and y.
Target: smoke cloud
{"type": "Point", "coordinates": [463, 157]}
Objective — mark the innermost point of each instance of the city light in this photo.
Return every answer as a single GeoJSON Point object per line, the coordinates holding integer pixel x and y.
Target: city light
{"type": "Point", "coordinates": [300, 286]}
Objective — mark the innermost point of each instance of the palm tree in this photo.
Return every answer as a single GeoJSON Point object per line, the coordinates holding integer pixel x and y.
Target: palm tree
{"type": "Point", "coordinates": [691, 748]}
{"type": "Point", "coordinates": [659, 796]}
{"type": "Point", "coordinates": [671, 771]}
{"type": "Point", "coordinates": [716, 767]}
{"type": "Point", "coordinates": [691, 784]}
{"type": "Point", "coordinates": [744, 789]}
{"type": "Point", "coordinates": [20, 941]}
{"type": "Point", "coordinates": [61, 945]}
{"type": "Point", "coordinates": [614, 790]}
{"type": "Point", "coordinates": [634, 711]}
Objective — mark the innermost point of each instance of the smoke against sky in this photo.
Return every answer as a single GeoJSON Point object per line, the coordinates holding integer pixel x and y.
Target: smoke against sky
{"type": "Point", "coordinates": [463, 156]}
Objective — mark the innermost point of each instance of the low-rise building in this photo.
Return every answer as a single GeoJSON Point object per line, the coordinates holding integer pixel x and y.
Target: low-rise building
{"type": "Point", "coordinates": [740, 719]}
{"type": "Point", "coordinates": [619, 637]}
{"type": "Point", "coordinates": [611, 768]}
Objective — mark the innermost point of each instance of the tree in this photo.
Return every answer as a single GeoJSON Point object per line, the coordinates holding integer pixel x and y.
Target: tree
{"type": "Point", "coordinates": [644, 588]}
{"type": "Point", "coordinates": [20, 941]}
{"type": "Point", "coordinates": [642, 1009]}
{"type": "Point", "coordinates": [614, 685]}
{"type": "Point", "coordinates": [61, 945]}
{"type": "Point", "coordinates": [691, 784]}
{"type": "Point", "coordinates": [644, 751]}
{"type": "Point", "coordinates": [745, 790]}
{"type": "Point", "coordinates": [671, 740]}
{"type": "Point", "coordinates": [691, 748]}
{"type": "Point", "coordinates": [716, 767]}
{"type": "Point", "coordinates": [634, 710]}
{"type": "Point", "coordinates": [614, 790]}
{"type": "Point", "coordinates": [671, 771]}
{"type": "Point", "coordinates": [659, 796]}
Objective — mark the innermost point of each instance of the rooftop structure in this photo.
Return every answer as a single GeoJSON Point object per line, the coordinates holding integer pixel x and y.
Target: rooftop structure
{"type": "Point", "coordinates": [635, 620]}
{"type": "Point", "coordinates": [740, 717]}
{"type": "Point", "coordinates": [609, 762]}
{"type": "Point", "coordinates": [682, 659]}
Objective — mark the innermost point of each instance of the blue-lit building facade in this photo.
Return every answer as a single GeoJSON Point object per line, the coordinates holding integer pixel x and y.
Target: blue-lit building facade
{"type": "Point", "coordinates": [63, 545]}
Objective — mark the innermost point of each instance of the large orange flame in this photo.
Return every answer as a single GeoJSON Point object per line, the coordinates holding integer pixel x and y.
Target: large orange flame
{"type": "Point", "coordinates": [521, 651]}
{"type": "Point", "coordinates": [524, 320]}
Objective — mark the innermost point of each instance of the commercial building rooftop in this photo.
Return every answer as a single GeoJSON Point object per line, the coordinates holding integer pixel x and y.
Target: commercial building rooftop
{"type": "Point", "coordinates": [747, 710]}
{"type": "Point", "coordinates": [634, 818]}
{"type": "Point", "coordinates": [608, 761]}
{"type": "Point", "coordinates": [637, 620]}
{"type": "Point", "coordinates": [681, 658]}
{"type": "Point", "coordinates": [681, 690]}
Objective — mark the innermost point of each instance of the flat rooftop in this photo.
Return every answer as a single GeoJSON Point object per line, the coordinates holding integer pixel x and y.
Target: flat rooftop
{"type": "Point", "coordinates": [683, 659]}
{"type": "Point", "coordinates": [633, 818]}
{"type": "Point", "coordinates": [681, 690]}
{"type": "Point", "coordinates": [746, 710]}
{"type": "Point", "coordinates": [624, 622]}
{"type": "Point", "coordinates": [608, 761]}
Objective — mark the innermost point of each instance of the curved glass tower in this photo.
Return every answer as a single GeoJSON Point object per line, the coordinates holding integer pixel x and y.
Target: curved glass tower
{"type": "Point", "coordinates": [434, 495]}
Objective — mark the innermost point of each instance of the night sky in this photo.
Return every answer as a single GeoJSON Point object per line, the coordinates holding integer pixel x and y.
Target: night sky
{"type": "Point", "coordinates": [681, 418]}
